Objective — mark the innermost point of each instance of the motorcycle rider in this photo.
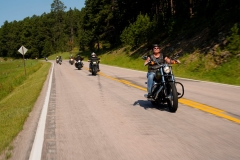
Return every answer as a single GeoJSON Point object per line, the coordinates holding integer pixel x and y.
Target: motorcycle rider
{"type": "Point", "coordinates": [91, 58]}
{"type": "Point", "coordinates": [60, 58]}
{"type": "Point", "coordinates": [57, 59]}
{"type": "Point", "coordinates": [152, 61]}
{"type": "Point", "coordinates": [79, 58]}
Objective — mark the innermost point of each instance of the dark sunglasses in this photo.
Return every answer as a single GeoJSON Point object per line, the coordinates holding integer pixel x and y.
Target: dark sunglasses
{"type": "Point", "coordinates": [156, 48]}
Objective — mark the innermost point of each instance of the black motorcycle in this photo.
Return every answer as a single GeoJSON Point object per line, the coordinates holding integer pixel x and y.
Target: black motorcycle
{"type": "Point", "coordinates": [164, 89]}
{"type": "Point", "coordinates": [94, 62]}
{"type": "Point", "coordinates": [71, 61]}
{"type": "Point", "coordinates": [79, 64]}
{"type": "Point", "coordinates": [60, 61]}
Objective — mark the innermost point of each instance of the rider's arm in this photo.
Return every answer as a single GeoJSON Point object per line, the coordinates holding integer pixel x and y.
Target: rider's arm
{"type": "Point", "coordinates": [170, 61]}
{"type": "Point", "coordinates": [147, 60]}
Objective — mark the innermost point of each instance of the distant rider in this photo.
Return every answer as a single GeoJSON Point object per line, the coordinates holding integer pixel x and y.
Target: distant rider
{"type": "Point", "coordinates": [93, 57]}
{"type": "Point", "coordinates": [79, 58]}
{"type": "Point", "coordinates": [153, 61]}
{"type": "Point", "coordinates": [57, 59]}
{"type": "Point", "coordinates": [60, 58]}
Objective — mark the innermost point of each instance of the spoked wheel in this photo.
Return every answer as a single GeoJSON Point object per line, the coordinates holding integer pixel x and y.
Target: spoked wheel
{"type": "Point", "coordinates": [172, 97]}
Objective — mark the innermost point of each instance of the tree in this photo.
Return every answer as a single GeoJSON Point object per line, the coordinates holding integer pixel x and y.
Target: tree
{"type": "Point", "coordinates": [57, 8]}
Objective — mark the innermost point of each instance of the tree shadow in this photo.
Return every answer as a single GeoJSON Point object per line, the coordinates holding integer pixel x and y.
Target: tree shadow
{"type": "Point", "coordinates": [148, 105]}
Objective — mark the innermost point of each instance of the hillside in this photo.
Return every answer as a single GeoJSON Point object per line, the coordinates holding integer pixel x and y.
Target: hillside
{"type": "Point", "coordinates": [202, 50]}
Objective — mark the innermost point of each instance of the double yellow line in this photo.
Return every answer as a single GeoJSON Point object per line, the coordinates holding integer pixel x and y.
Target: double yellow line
{"type": "Point", "coordinates": [187, 102]}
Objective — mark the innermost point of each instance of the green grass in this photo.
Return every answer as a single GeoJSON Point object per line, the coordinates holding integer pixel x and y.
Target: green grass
{"type": "Point", "coordinates": [13, 74]}
{"type": "Point", "coordinates": [64, 55]}
{"type": "Point", "coordinates": [193, 66]}
{"type": "Point", "coordinates": [16, 105]}
{"type": "Point", "coordinates": [203, 68]}
{"type": "Point", "coordinates": [123, 60]}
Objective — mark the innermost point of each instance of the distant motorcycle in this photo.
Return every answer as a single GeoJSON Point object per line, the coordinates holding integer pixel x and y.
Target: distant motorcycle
{"type": "Point", "coordinates": [164, 89]}
{"type": "Point", "coordinates": [46, 59]}
{"type": "Point", "coordinates": [79, 64]}
{"type": "Point", "coordinates": [94, 62]}
{"type": "Point", "coordinates": [60, 61]}
{"type": "Point", "coordinates": [57, 60]}
{"type": "Point", "coordinates": [71, 61]}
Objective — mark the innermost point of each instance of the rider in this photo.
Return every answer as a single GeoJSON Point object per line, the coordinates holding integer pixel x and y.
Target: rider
{"type": "Point", "coordinates": [57, 59]}
{"type": "Point", "coordinates": [152, 66]}
{"type": "Point", "coordinates": [78, 58]}
{"type": "Point", "coordinates": [93, 57]}
{"type": "Point", "coordinates": [60, 58]}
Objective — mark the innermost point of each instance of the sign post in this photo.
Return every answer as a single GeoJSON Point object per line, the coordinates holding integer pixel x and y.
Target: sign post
{"type": "Point", "coordinates": [23, 50]}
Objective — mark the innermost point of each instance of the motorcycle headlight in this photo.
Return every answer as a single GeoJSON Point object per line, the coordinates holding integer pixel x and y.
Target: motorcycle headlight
{"type": "Point", "coordinates": [166, 69]}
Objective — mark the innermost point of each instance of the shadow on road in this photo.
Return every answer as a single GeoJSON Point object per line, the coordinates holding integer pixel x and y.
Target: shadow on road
{"type": "Point", "coordinates": [148, 105]}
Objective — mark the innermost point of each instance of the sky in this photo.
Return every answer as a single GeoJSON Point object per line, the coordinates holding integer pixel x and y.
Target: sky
{"type": "Point", "coordinates": [11, 10]}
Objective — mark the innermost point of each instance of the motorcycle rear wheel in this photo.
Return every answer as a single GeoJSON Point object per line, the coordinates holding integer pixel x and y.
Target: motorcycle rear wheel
{"type": "Point", "coordinates": [172, 99]}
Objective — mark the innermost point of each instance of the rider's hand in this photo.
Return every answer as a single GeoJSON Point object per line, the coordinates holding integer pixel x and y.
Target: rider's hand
{"type": "Point", "coordinates": [178, 61]}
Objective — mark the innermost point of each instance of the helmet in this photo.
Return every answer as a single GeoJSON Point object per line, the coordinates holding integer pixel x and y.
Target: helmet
{"type": "Point", "coordinates": [78, 55]}
{"type": "Point", "coordinates": [93, 54]}
{"type": "Point", "coordinates": [155, 45]}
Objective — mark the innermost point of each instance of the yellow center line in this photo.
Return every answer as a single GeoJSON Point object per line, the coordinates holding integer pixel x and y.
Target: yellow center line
{"type": "Point", "coordinates": [187, 102]}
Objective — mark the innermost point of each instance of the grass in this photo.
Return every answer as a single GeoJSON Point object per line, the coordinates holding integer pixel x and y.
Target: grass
{"type": "Point", "coordinates": [64, 55]}
{"type": "Point", "coordinates": [16, 105]}
{"type": "Point", "coordinates": [194, 66]}
{"type": "Point", "coordinates": [13, 74]}
{"type": "Point", "coordinates": [203, 68]}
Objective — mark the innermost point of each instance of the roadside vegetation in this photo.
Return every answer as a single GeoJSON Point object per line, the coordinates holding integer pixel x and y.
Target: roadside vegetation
{"type": "Point", "coordinates": [194, 66]}
{"type": "Point", "coordinates": [18, 96]}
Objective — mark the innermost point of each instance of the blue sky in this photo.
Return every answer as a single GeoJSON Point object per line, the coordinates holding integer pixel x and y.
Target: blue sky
{"type": "Point", "coordinates": [11, 10]}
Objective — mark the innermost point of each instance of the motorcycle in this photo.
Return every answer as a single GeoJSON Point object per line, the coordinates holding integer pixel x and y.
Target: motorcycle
{"type": "Point", "coordinates": [94, 62]}
{"type": "Point", "coordinates": [46, 59]}
{"type": "Point", "coordinates": [57, 60]}
{"type": "Point", "coordinates": [71, 61]}
{"type": "Point", "coordinates": [60, 61]}
{"type": "Point", "coordinates": [164, 89]}
{"type": "Point", "coordinates": [79, 64]}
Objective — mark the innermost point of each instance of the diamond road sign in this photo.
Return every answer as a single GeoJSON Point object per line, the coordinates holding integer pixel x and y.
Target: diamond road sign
{"type": "Point", "coordinates": [22, 50]}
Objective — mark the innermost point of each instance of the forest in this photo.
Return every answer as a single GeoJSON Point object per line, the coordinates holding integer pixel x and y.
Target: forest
{"type": "Point", "coordinates": [106, 24]}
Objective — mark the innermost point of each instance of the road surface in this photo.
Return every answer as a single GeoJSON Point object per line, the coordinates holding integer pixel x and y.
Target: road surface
{"type": "Point", "coordinates": [106, 117]}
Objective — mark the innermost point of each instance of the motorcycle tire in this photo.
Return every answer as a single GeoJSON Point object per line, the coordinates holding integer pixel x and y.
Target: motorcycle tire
{"type": "Point", "coordinates": [172, 99]}
{"type": "Point", "coordinates": [94, 70]}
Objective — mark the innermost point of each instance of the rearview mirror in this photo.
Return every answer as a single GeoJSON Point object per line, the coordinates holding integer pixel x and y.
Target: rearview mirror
{"type": "Point", "coordinates": [144, 57]}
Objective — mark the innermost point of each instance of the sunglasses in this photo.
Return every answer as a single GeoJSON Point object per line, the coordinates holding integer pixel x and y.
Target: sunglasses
{"type": "Point", "coordinates": [156, 48]}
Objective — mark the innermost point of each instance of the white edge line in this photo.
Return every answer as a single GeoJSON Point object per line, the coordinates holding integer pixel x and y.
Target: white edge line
{"type": "Point", "coordinates": [36, 151]}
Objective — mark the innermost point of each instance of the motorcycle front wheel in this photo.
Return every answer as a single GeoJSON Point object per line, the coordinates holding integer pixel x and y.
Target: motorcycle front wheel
{"type": "Point", "coordinates": [94, 70]}
{"type": "Point", "coordinates": [172, 97]}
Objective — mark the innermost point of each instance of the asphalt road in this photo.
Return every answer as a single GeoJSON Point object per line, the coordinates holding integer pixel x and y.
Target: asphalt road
{"type": "Point", "coordinates": [103, 118]}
